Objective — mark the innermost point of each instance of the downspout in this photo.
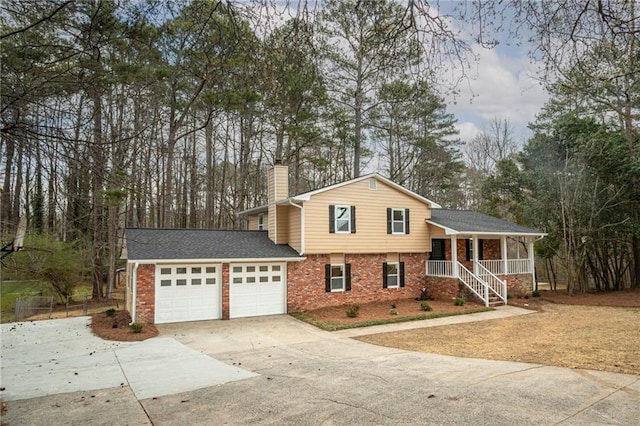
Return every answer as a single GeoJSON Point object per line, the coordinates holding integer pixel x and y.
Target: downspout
{"type": "Point", "coordinates": [134, 286]}
{"type": "Point", "coordinates": [301, 226]}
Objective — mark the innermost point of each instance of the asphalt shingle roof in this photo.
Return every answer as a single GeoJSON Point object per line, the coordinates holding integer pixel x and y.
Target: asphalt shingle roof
{"type": "Point", "coordinates": [473, 222]}
{"type": "Point", "coordinates": [153, 243]}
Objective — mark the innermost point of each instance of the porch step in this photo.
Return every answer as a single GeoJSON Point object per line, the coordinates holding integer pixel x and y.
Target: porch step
{"type": "Point", "coordinates": [495, 301]}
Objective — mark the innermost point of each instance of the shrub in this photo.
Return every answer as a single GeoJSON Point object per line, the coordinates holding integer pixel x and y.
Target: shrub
{"type": "Point", "coordinates": [509, 295]}
{"type": "Point", "coordinates": [536, 293]}
{"type": "Point", "coordinates": [393, 312]}
{"type": "Point", "coordinates": [110, 312]}
{"type": "Point", "coordinates": [136, 327]}
{"type": "Point", "coordinates": [425, 306]}
{"type": "Point", "coordinates": [353, 311]}
{"type": "Point", "coordinates": [459, 301]}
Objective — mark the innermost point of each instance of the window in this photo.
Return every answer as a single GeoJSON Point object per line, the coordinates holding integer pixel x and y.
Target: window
{"type": "Point", "coordinates": [393, 274]}
{"type": "Point", "coordinates": [342, 219]}
{"type": "Point", "coordinates": [338, 277]}
{"type": "Point", "coordinates": [373, 184]}
{"type": "Point", "coordinates": [397, 221]}
{"type": "Point", "coordinates": [437, 249]}
{"type": "Point", "coordinates": [261, 222]}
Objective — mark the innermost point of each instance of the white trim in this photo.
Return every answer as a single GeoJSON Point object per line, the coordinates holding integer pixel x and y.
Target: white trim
{"type": "Point", "coordinates": [451, 231]}
{"type": "Point", "coordinates": [335, 218]}
{"type": "Point", "coordinates": [393, 221]}
{"type": "Point", "coordinates": [344, 277]}
{"type": "Point", "coordinates": [454, 255]}
{"type": "Point", "coordinates": [235, 260]}
{"type": "Point", "coordinates": [134, 293]}
{"type": "Point", "coordinates": [397, 274]}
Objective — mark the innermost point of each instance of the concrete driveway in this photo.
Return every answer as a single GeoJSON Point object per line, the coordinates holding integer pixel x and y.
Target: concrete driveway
{"type": "Point", "coordinates": [297, 374]}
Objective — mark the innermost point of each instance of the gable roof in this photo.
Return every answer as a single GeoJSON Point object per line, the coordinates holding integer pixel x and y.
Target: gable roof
{"type": "Point", "coordinates": [199, 244]}
{"type": "Point", "coordinates": [307, 195]}
{"type": "Point", "coordinates": [469, 222]}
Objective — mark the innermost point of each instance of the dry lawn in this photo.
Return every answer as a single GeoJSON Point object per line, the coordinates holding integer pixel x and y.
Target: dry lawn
{"type": "Point", "coordinates": [605, 338]}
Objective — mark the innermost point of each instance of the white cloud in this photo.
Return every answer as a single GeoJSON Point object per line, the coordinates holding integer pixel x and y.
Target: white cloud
{"type": "Point", "coordinates": [503, 88]}
{"type": "Point", "coordinates": [467, 130]}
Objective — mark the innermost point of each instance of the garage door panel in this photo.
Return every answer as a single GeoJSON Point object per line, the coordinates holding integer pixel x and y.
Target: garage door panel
{"type": "Point", "coordinates": [182, 293]}
{"type": "Point", "coordinates": [257, 289]}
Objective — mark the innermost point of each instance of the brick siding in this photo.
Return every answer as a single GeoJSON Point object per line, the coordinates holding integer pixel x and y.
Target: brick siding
{"type": "Point", "coordinates": [306, 281]}
{"type": "Point", "coordinates": [146, 294]}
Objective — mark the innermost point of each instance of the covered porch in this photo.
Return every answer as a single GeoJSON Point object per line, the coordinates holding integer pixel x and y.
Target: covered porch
{"type": "Point", "coordinates": [490, 257]}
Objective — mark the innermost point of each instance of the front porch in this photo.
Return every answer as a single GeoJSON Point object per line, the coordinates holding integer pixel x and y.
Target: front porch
{"type": "Point", "coordinates": [488, 266]}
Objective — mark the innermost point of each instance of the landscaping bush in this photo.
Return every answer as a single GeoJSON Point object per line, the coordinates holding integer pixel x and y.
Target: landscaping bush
{"type": "Point", "coordinates": [536, 293]}
{"type": "Point", "coordinates": [353, 311]}
{"type": "Point", "coordinates": [136, 327]}
{"type": "Point", "coordinates": [425, 306]}
{"type": "Point", "coordinates": [459, 301]}
{"type": "Point", "coordinates": [110, 312]}
{"type": "Point", "coordinates": [393, 312]}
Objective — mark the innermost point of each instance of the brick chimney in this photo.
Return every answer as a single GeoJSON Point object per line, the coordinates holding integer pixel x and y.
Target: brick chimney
{"type": "Point", "coordinates": [278, 177]}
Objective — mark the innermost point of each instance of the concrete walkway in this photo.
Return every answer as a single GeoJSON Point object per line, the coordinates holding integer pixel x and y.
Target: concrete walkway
{"type": "Point", "coordinates": [504, 311]}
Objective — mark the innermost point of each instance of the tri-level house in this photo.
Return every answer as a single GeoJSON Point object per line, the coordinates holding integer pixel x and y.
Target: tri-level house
{"type": "Point", "coordinates": [363, 240]}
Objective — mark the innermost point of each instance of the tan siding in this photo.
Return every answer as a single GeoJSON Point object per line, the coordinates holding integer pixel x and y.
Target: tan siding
{"type": "Point", "coordinates": [282, 213]}
{"type": "Point", "coordinates": [436, 232]}
{"type": "Point", "coordinates": [294, 229]}
{"type": "Point", "coordinates": [371, 221]}
{"type": "Point", "coordinates": [252, 222]}
{"type": "Point", "coordinates": [271, 222]}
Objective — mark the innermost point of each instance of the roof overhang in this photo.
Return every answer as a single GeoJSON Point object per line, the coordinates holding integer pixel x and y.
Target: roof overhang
{"type": "Point", "coordinates": [451, 231]}
{"type": "Point", "coordinates": [227, 260]}
{"type": "Point", "coordinates": [259, 209]}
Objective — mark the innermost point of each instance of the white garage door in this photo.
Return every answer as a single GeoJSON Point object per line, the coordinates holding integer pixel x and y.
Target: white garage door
{"type": "Point", "coordinates": [187, 293]}
{"type": "Point", "coordinates": [257, 289]}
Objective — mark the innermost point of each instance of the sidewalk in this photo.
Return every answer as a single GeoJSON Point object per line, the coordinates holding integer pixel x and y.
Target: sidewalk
{"type": "Point", "coordinates": [504, 311]}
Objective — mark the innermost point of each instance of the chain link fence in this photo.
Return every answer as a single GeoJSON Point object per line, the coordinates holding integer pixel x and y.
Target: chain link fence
{"type": "Point", "coordinates": [28, 306]}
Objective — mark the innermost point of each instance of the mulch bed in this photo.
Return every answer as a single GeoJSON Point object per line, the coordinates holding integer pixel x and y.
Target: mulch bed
{"type": "Point", "coordinates": [117, 327]}
{"type": "Point", "coordinates": [382, 310]}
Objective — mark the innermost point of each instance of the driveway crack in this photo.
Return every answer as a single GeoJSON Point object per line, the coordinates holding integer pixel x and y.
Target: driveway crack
{"type": "Point", "coordinates": [615, 390]}
{"type": "Point", "coordinates": [358, 407]}
{"type": "Point", "coordinates": [146, 413]}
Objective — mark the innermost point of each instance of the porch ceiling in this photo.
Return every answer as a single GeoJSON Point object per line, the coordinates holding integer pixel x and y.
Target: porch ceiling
{"type": "Point", "coordinates": [467, 222]}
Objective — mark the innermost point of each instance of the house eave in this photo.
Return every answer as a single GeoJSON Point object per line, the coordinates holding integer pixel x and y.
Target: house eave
{"type": "Point", "coordinates": [219, 260]}
{"type": "Point", "coordinates": [451, 231]}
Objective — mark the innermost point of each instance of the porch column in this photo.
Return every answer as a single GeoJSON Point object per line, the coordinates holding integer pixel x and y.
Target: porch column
{"type": "Point", "coordinates": [504, 253]}
{"type": "Point", "coordinates": [532, 265]}
{"type": "Point", "coordinates": [476, 247]}
{"type": "Point", "coordinates": [454, 256]}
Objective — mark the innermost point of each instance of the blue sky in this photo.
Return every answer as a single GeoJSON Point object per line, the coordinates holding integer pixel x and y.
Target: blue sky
{"type": "Point", "coordinates": [503, 86]}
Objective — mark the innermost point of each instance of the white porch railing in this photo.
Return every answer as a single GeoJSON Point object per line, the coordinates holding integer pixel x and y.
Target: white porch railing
{"type": "Point", "coordinates": [519, 266]}
{"type": "Point", "coordinates": [474, 283]}
{"type": "Point", "coordinates": [439, 268]}
{"type": "Point", "coordinates": [495, 284]}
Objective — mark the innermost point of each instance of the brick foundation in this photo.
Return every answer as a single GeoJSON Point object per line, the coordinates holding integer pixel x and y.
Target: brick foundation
{"type": "Point", "coordinates": [441, 287]}
{"type": "Point", "coordinates": [306, 281]}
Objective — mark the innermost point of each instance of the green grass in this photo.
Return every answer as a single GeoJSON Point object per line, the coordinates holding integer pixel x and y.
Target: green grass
{"type": "Point", "coordinates": [11, 290]}
{"type": "Point", "coordinates": [331, 326]}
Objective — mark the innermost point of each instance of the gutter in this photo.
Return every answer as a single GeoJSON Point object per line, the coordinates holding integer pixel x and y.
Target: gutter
{"type": "Point", "coordinates": [134, 286]}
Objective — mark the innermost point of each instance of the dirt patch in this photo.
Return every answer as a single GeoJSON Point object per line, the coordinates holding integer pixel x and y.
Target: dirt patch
{"type": "Point", "coordinates": [627, 298]}
{"type": "Point", "coordinates": [585, 334]}
{"type": "Point", "coordinates": [117, 327]}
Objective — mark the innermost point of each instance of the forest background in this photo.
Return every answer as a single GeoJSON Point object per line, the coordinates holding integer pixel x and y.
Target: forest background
{"type": "Point", "coordinates": [153, 113]}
